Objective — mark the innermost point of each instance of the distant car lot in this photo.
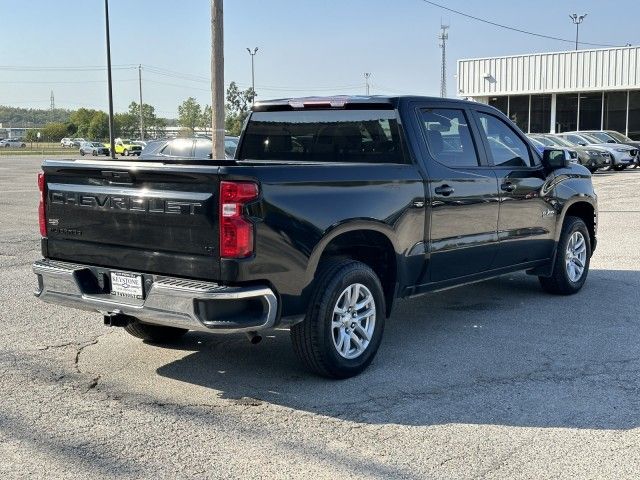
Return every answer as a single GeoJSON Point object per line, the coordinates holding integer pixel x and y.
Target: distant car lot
{"type": "Point", "coordinates": [487, 380]}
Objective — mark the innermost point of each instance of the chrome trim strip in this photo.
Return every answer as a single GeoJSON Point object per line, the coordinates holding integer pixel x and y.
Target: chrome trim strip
{"type": "Point", "coordinates": [170, 301]}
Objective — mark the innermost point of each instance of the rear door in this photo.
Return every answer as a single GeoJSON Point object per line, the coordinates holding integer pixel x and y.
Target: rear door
{"type": "Point", "coordinates": [147, 217]}
{"type": "Point", "coordinates": [463, 208]}
{"type": "Point", "coordinates": [527, 223]}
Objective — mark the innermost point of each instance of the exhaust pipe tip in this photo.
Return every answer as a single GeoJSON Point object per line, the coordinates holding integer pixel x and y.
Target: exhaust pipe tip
{"type": "Point", "coordinates": [254, 338]}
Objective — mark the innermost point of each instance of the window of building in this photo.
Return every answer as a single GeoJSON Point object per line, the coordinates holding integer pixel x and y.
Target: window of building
{"type": "Point", "coordinates": [519, 111]}
{"type": "Point", "coordinates": [634, 115]}
{"type": "Point", "coordinates": [507, 148]}
{"type": "Point", "coordinates": [566, 112]}
{"type": "Point", "coordinates": [501, 103]}
{"type": "Point", "coordinates": [615, 111]}
{"type": "Point", "coordinates": [449, 138]}
{"type": "Point", "coordinates": [540, 114]}
{"type": "Point", "coordinates": [590, 111]}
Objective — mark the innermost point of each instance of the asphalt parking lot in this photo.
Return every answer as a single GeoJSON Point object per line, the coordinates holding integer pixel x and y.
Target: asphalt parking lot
{"type": "Point", "coordinates": [493, 380]}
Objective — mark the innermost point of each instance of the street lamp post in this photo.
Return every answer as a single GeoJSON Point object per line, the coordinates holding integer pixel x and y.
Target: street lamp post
{"type": "Point", "coordinates": [109, 81]}
{"type": "Point", "coordinates": [577, 20]}
{"type": "Point", "coordinates": [253, 78]}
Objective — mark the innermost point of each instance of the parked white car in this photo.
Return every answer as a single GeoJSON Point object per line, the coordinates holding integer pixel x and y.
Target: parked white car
{"type": "Point", "coordinates": [12, 142]}
{"type": "Point", "coordinates": [66, 142]}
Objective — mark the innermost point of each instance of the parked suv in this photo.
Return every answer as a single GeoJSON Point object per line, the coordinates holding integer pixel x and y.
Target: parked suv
{"type": "Point", "coordinates": [611, 136]}
{"type": "Point", "coordinates": [331, 210]}
{"type": "Point", "coordinates": [591, 157]}
{"type": "Point", "coordinates": [621, 155]}
{"type": "Point", "coordinates": [66, 142]}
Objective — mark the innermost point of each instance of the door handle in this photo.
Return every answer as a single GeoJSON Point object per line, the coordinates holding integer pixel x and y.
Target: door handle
{"type": "Point", "coordinates": [444, 190]}
{"type": "Point", "coordinates": [508, 187]}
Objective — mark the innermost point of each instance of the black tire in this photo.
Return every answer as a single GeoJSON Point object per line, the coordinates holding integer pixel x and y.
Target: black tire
{"type": "Point", "coordinates": [559, 282]}
{"type": "Point", "coordinates": [593, 169]}
{"type": "Point", "coordinates": [154, 333]}
{"type": "Point", "coordinates": [94, 153]}
{"type": "Point", "coordinates": [619, 168]}
{"type": "Point", "coordinates": [313, 340]}
{"type": "Point", "coordinates": [82, 153]}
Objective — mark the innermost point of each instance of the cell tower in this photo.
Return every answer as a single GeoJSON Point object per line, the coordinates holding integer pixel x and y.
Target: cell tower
{"type": "Point", "coordinates": [443, 36]}
{"type": "Point", "coordinates": [53, 102]}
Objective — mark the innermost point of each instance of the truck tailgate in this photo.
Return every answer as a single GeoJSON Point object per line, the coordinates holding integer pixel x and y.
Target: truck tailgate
{"type": "Point", "coordinates": [146, 217]}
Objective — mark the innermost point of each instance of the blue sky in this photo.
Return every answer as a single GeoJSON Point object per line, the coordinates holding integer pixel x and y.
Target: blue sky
{"type": "Point", "coordinates": [306, 47]}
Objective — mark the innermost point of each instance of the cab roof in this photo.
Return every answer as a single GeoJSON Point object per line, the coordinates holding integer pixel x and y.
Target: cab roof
{"type": "Point", "coordinates": [346, 102]}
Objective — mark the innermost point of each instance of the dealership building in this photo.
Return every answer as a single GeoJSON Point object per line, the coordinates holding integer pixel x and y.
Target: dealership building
{"type": "Point", "coordinates": [560, 91]}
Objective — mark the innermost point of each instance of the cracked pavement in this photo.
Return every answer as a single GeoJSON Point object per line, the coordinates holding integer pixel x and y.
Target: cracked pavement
{"type": "Point", "coordinates": [493, 380]}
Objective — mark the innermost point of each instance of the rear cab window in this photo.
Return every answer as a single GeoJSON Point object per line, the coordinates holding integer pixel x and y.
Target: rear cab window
{"type": "Point", "coordinates": [319, 135]}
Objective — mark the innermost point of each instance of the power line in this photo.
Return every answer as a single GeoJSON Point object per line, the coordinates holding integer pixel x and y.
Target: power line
{"type": "Point", "coordinates": [507, 27]}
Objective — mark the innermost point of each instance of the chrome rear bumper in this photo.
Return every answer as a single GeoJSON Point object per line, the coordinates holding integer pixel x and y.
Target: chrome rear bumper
{"type": "Point", "coordinates": [174, 302]}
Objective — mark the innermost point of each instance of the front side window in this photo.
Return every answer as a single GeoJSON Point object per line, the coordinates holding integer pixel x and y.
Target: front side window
{"type": "Point", "coordinates": [351, 136]}
{"type": "Point", "coordinates": [448, 137]}
{"type": "Point", "coordinates": [507, 148]}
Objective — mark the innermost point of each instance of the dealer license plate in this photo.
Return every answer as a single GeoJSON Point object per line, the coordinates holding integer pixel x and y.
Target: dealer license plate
{"type": "Point", "coordinates": [126, 285]}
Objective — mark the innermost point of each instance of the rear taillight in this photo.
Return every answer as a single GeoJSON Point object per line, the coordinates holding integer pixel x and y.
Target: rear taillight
{"type": "Point", "coordinates": [236, 232]}
{"type": "Point", "coordinates": [42, 216]}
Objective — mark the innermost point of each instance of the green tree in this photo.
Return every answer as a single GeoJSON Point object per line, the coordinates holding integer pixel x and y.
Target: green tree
{"type": "Point", "coordinates": [237, 107]}
{"type": "Point", "coordinates": [99, 126]}
{"type": "Point", "coordinates": [125, 125]}
{"type": "Point", "coordinates": [149, 119]}
{"type": "Point", "coordinates": [31, 136]}
{"type": "Point", "coordinates": [205, 119]}
{"type": "Point", "coordinates": [81, 118]}
{"type": "Point", "coordinates": [54, 132]}
{"type": "Point", "coordinates": [189, 114]}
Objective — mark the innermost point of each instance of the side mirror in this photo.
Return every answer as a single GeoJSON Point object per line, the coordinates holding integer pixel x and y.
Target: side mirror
{"type": "Point", "coordinates": [555, 158]}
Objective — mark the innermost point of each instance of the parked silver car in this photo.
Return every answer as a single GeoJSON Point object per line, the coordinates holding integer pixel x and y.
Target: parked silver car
{"type": "Point", "coordinates": [12, 142]}
{"type": "Point", "coordinates": [621, 155]}
{"type": "Point", "coordinates": [611, 136]}
{"type": "Point", "coordinates": [93, 148]}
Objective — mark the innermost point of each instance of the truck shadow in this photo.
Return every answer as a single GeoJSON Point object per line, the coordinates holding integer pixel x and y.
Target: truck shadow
{"type": "Point", "coordinates": [500, 352]}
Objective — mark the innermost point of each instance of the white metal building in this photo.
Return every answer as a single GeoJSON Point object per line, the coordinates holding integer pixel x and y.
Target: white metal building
{"type": "Point", "coordinates": [560, 91]}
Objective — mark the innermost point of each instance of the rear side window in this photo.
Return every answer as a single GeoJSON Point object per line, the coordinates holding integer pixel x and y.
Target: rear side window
{"type": "Point", "coordinates": [352, 136]}
{"type": "Point", "coordinates": [178, 147]}
{"type": "Point", "coordinates": [204, 148]}
{"type": "Point", "coordinates": [449, 138]}
{"type": "Point", "coordinates": [507, 148]}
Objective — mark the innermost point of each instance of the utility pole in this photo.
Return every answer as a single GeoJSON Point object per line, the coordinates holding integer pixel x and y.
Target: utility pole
{"type": "Point", "coordinates": [217, 79]}
{"type": "Point", "coordinates": [577, 20]}
{"type": "Point", "coordinates": [109, 81]}
{"type": "Point", "coordinates": [140, 85]}
{"type": "Point", "coordinates": [53, 102]}
{"type": "Point", "coordinates": [367, 76]}
{"type": "Point", "coordinates": [443, 36]}
{"type": "Point", "coordinates": [253, 78]}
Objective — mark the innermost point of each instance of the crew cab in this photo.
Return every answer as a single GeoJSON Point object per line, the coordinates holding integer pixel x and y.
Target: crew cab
{"type": "Point", "coordinates": [331, 210]}
{"type": "Point", "coordinates": [125, 147]}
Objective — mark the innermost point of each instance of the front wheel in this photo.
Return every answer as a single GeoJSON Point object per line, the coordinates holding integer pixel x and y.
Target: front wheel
{"type": "Point", "coordinates": [82, 153]}
{"type": "Point", "coordinates": [126, 152]}
{"type": "Point", "coordinates": [571, 264]}
{"type": "Point", "coordinates": [342, 330]}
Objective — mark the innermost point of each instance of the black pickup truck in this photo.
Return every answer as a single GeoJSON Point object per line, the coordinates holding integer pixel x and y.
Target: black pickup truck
{"type": "Point", "coordinates": [332, 209]}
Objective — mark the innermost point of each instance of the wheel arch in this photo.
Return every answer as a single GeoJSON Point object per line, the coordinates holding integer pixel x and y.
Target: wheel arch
{"type": "Point", "coordinates": [368, 242]}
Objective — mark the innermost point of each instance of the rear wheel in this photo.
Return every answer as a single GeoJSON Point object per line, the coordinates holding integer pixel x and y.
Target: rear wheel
{"type": "Point", "coordinates": [571, 264]}
{"type": "Point", "coordinates": [619, 168]}
{"type": "Point", "coordinates": [82, 153]}
{"type": "Point", "coordinates": [342, 330]}
{"type": "Point", "coordinates": [154, 333]}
